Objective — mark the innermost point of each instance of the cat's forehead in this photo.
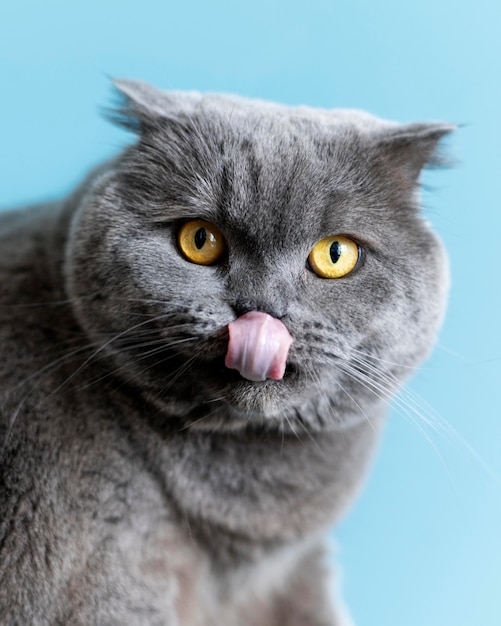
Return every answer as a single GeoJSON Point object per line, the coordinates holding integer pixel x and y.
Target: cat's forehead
{"type": "Point", "coordinates": [276, 169]}
{"type": "Point", "coordinates": [237, 110]}
{"type": "Point", "coordinates": [145, 101]}
{"type": "Point", "coordinates": [267, 123]}
{"type": "Point", "coordinates": [269, 167]}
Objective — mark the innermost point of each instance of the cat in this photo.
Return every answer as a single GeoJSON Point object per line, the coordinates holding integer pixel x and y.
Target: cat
{"type": "Point", "coordinates": [198, 349]}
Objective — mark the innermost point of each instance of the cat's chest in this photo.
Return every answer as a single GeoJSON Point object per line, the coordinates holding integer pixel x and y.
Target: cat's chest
{"type": "Point", "coordinates": [178, 575]}
{"type": "Point", "coordinates": [264, 487]}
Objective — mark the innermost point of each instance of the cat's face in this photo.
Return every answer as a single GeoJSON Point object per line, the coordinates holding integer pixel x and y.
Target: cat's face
{"type": "Point", "coordinates": [273, 182]}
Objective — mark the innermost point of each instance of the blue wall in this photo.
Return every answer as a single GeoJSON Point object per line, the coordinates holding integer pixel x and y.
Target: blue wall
{"type": "Point", "coordinates": [423, 545]}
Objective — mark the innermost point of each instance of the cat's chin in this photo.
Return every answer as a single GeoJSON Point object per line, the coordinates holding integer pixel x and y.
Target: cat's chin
{"type": "Point", "coordinates": [264, 398]}
{"type": "Point", "coordinates": [221, 398]}
{"type": "Point", "coordinates": [209, 396]}
{"type": "Point", "coordinates": [287, 405]}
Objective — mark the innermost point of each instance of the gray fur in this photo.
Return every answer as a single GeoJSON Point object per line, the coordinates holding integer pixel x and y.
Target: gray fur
{"type": "Point", "coordinates": [142, 483]}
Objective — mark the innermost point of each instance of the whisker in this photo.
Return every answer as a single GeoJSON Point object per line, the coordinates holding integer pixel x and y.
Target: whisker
{"type": "Point", "coordinates": [426, 412]}
{"type": "Point", "coordinates": [204, 418]}
{"type": "Point", "coordinates": [43, 372]}
{"type": "Point", "coordinates": [159, 349]}
{"type": "Point", "coordinates": [316, 381]}
{"type": "Point", "coordinates": [404, 408]}
{"type": "Point", "coordinates": [420, 414]}
{"type": "Point", "coordinates": [291, 426]}
{"type": "Point", "coordinates": [181, 370]}
{"type": "Point", "coordinates": [380, 360]}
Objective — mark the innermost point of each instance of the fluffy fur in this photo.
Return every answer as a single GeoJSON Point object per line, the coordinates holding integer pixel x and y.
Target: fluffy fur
{"type": "Point", "coordinates": [142, 482]}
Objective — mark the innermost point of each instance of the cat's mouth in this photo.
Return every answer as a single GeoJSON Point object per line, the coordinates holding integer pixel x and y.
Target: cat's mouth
{"type": "Point", "coordinates": [231, 385]}
{"type": "Point", "coordinates": [230, 376]}
{"type": "Point", "coordinates": [258, 347]}
{"type": "Point", "coordinates": [245, 399]}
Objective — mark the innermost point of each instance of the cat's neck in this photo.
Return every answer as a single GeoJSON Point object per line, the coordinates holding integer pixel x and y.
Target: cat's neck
{"type": "Point", "coordinates": [254, 487]}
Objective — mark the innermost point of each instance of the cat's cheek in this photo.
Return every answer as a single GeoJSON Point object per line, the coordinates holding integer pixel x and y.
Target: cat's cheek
{"type": "Point", "coordinates": [440, 278]}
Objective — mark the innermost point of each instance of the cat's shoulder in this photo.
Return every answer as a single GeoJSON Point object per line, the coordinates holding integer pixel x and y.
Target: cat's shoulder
{"type": "Point", "coordinates": [31, 291]}
{"type": "Point", "coordinates": [25, 235]}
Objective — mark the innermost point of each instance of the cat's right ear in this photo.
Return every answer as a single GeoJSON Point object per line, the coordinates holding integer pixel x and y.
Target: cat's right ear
{"type": "Point", "coordinates": [140, 106]}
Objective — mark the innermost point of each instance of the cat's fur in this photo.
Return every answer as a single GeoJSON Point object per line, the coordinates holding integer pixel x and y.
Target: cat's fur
{"type": "Point", "coordinates": [142, 482]}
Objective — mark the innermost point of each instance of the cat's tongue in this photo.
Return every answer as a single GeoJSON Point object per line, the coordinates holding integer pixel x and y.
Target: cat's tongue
{"type": "Point", "coordinates": [258, 346]}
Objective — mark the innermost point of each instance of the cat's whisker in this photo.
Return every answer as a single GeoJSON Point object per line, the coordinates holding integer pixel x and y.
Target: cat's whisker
{"type": "Point", "coordinates": [431, 418]}
{"type": "Point", "coordinates": [199, 420]}
{"type": "Point", "coordinates": [41, 374]}
{"type": "Point", "coordinates": [317, 382]}
{"type": "Point", "coordinates": [130, 377]}
{"type": "Point", "coordinates": [70, 302]}
{"type": "Point", "coordinates": [97, 346]}
{"type": "Point", "coordinates": [82, 349]}
{"type": "Point", "coordinates": [313, 375]}
{"type": "Point", "coordinates": [180, 371]}
{"type": "Point", "coordinates": [218, 399]}
{"type": "Point", "coordinates": [47, 369]}
{"type": "Point", "coordinates": [352, 399]}
{"type": "Point", "coordinates": [357, 404]}
{"type": "Point", "coordinates": [37, 379]}
{"type": "Point", "coordinates": [371, 357]}
{"type": "Point", "coordinates": [425, 411]}
{"type": "Point", "coordinates": [190, 424]}
{"type": "Point", "coordinates": [453, 353]}
{"type": "Point", "coordinates": [148, 301]}
{"type": "Point", "coordinates": [45, 304]}
{"type": "Point", "coordinates": [161, 346]}
{"type": "Point", "coordinates": [402, 407]}
{"type": "Point", "coordinates": [291, 426]}
{"type": "Point", "coordinates": [384, 393]}
{"type": "Point", "coordinates": [163, 333]}
{"type": "Point", "coordinates": [310, 436]}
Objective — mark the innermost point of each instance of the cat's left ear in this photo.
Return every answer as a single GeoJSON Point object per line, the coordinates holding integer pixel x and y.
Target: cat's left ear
{"type": "Point", "coordinates": [142, 106]}
{"type": "Point", "coordinates": [408, 148]}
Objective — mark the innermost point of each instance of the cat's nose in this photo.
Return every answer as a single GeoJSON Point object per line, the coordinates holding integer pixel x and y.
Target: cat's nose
{"type": "Point", "coordinates": [276, 308]}
{"type": "Point", "coordinates": [259, 289]}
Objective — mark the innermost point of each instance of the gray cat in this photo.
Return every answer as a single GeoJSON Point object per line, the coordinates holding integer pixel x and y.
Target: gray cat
{"type": "Point", "coordinates": [198, 347]}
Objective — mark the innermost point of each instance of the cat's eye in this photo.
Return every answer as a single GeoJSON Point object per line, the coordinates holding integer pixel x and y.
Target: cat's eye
{"type": "Point", "coordinates": [201, 242]}
{"type": "Point", "coordinates": [334, 256]}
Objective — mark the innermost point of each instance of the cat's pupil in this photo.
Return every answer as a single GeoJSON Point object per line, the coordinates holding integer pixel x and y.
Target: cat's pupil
{"type": "Point", "coordinates": [335, 251]}
{"type": "Point", "coordinates": [200, 238]}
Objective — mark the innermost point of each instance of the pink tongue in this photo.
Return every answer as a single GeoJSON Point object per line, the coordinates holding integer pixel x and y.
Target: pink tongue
{"type": "Point", "coordinates": [258, 346]}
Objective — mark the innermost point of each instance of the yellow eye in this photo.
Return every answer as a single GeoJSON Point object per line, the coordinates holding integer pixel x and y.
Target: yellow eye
{"type": "Point", "coordinates": [201, 242]}
{"type": "Point", "coordinates": [334, 256]}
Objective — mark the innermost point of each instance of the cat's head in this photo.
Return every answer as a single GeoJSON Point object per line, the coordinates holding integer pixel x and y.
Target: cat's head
{"type": "Point", "coordinates": [225, 205]}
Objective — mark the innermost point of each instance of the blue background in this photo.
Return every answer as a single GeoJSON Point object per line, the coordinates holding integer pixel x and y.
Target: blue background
{"type": "Point", "coordinates": [422, 547]}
